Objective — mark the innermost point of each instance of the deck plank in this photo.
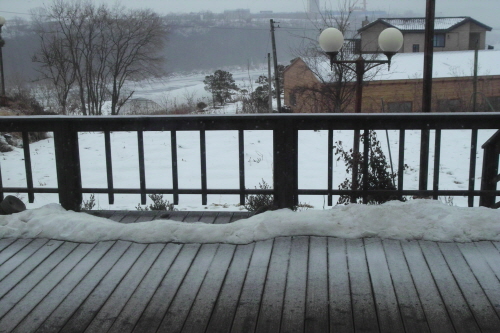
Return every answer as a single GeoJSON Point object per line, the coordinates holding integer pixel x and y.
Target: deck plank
{"type": "Point", "coordinates": [124, 290]}
{"type": "Point", "coordinates": [5, 242]}
{"type": "Point", "coordinates": [199, 316]}
{"type": "Point", "coordinates": [42, 311]}
{"type": "Point", "coordinates": [14, 290]}
{"type": "Point", "coordinates": [294, 303]}
{"type": "Point", "coordinates": [13, 262]}
{"type": "Point", "coordinates": [389, 316]}
{"type": "Point", "coordinates": [412, 312]}
{"type": "Point", "coordinates": [155, 311]}
{"type": "Point", "coordinates": [364, 312]}
{"type": "Point", "coordinates": [12, 249]}
{"type": "Point", "coordinates": [299, 284]}
{"type": "Point", "coordinates": [245, 318]}
{"type": "Point", "coordinates": [186, 294]}
{"type": "Point", "coordinates": [457, 307]}
{"type": "Point", "coordinates": [433, 305]}
{"type": "Point", "coordinates": [481, 308]}
{"type": "Point", "coordinates": [70, 305]}
{"type": "Point", "coordinates": [316, 317]}
{"type": "Point", "coordinates": [26, 268]}
{"type": "Point", "coordinates": [24, 306]}
{"type": "Point", "coordinates": [492, 256]}
{"type": "Point", "coordinates": [271, 307]}
{"type": "Point", "coordinates": [132, 311]}
{"type": "Point", "coordinates": [172, 215]}
{"type": "Point", "coordinates": [209, 217]}
{"type": "Point", "coordinates": [339, 286]}
{"type": "Point", "coordinates": [483, 273]}
{"type": "Point", "coordinates": [227, 301]}
{"type": "Point", "coordinates": [96, 299]}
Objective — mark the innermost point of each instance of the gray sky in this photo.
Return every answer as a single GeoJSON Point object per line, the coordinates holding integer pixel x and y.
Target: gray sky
{"type": "Point", "coordinates": [485, 11]}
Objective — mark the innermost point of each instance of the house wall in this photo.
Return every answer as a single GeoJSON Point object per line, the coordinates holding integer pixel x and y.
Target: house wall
{"type": "Point", "coordinates": [455, 40]}
{"type": "Point", "coordinates": [298, 75]}
{"type": "Point", "coordinates": [369, 38]}
{"type": "Point", "coordinates": [449, 94]}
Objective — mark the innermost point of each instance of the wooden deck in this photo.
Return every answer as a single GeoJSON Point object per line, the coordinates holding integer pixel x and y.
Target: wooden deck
{"type": "Point", "coordinates": [287, 284]}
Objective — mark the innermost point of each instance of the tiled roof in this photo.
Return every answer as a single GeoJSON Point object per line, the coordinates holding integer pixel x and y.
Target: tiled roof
{"type": "Point", "coordinates": [440, 23]}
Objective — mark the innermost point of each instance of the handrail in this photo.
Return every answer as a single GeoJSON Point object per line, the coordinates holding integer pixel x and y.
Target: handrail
{"type": "Point", "coordinates": [285, 129]}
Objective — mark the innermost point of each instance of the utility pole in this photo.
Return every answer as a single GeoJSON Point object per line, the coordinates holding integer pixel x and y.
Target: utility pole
{"type": "Point", "coordinates": [270, 82]}
{"type": "Point", "coordinates": [276, 73]}
{"type": "Point", "coordinates": [427, 91]}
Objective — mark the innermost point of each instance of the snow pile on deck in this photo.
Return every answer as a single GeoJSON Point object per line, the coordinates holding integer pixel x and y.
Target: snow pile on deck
{"type": "Point", "coordinates": [416, 219]}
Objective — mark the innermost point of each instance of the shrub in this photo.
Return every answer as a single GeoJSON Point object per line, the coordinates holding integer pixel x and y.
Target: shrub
{"type": "Point", "coordinates": [88, 204]}
{"type": "Point", "coordinates": [379, 178]}
{"type": "Point", "coordinates": [201, 106]}
{"type": "Point", "coordinates": [259, 203]}
{"type": "Point", "coordinates": [158, 203]}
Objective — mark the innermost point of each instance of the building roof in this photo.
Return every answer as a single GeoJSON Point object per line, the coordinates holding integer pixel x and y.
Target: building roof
{"type": "Point", "coordinates": [410, 65]}
{"type": "Point", "coordinates": [442, 24]}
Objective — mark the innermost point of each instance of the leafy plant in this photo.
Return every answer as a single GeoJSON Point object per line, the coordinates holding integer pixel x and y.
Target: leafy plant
{"type": "Point", "coordinates": [88, 204]}
{"type": "Point", "coordinates": [259, 203]}
{"type": "Point", "coordinates": [158, 204]}
{"type": "Point", "coordinates": [379, 178]}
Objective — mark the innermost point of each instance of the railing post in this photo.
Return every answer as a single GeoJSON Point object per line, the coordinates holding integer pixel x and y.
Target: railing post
{"type": "Point", "coordinates": [490, 173]}
{"type": "Point", "coordinates": [285, 142]}
{"type": "Point", "coordinates": [68, 166]}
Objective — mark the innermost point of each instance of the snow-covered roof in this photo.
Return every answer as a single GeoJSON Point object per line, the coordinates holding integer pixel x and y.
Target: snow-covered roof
{"type": "Point", "coordinates": [410, 65]}
{"type": "Point", "coordinates": [418, 23]}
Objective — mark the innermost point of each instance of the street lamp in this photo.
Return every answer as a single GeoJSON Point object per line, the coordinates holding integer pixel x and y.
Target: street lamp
{"type": "Point", "coordinates": [331, 41]}
{"type": "Point", "coordinates": [2, 43]}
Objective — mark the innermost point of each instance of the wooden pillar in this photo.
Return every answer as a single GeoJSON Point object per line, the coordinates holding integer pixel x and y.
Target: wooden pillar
{"type": "Point", "coordinates": [68, 166]}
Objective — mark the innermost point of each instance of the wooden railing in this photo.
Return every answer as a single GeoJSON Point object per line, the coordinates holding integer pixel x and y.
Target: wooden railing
{"type": "Point", "coordinates": [285, 129]}
{"type": "Point", "coordinates": [490, 176]}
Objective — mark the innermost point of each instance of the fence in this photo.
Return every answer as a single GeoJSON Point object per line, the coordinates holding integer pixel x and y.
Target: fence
{"type": "Point", "coordinates": [285, 129]}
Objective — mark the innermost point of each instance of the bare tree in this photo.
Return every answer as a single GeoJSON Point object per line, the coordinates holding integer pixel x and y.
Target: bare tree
{"type": "Point", "coordinates": [99, 49]}
{"type": "Point", "coordinates": [336, 89]}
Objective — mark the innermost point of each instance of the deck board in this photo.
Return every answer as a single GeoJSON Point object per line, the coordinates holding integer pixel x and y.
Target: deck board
{"type": "Point", "coordinates": [286, 284]}
{"type": "Point", "coordinates": [271, 307]}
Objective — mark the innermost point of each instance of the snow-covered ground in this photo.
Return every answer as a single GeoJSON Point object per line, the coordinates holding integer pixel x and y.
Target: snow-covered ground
{"type": "Point", "coordinates": [416, 219]}
{"type": "Point", "coordinates": [222, 164]}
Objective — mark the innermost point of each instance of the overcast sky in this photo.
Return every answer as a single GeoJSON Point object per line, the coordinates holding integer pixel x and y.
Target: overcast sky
{"type": "Point", "coordinates": [486, 11]}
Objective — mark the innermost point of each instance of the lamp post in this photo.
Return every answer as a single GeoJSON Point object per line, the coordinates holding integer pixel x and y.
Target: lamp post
{"type": "Point", "coordinates": [331, 41]}
{"type": "Point", "coordinates": [2, 43]}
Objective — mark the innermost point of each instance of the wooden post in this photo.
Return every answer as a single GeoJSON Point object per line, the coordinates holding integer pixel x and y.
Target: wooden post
{"type": "Point", "coordinates": [489, 177]}
{"type": "Point", "coordinates": [285, 141]}
{"type": "Point", "coordinates": [68, 166]}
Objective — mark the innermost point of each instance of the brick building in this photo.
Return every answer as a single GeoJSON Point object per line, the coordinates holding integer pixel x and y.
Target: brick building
{"type": "Point", "coordinates": [308, 87]}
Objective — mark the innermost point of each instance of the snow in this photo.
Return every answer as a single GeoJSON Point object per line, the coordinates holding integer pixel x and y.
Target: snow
{"type": "Point", "coordinates": [416, 219]}
{"type": "Point", "coordinates": [410, 65]}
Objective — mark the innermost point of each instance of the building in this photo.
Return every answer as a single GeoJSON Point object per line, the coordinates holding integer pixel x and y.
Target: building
{"type": "Point", "coordinates": [451, 33]}
{"type": "Point", "coordinates": [308, 86]}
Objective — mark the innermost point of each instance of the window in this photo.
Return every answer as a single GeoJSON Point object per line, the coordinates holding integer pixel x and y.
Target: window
{"type": "Point", "coordinates": [416, 47]}
{"type": "Point", "coordinates": [439, 40]}
{"type": "Point", "coordinates": [293, 99]}
{"type": "Point", "coordinates": [399, 107]}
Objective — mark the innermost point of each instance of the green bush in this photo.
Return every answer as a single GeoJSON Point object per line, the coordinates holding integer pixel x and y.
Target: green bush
{"type": "Point", "coordinates": [158, 204]}
{"type": "Point", "coordinates": [379, 176]}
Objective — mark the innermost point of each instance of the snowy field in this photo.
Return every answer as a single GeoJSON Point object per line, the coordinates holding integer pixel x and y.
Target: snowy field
{"type": "Point", "coordinates": [222, 164]}
{"type": "Point", "coordinates": [443, 220]}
